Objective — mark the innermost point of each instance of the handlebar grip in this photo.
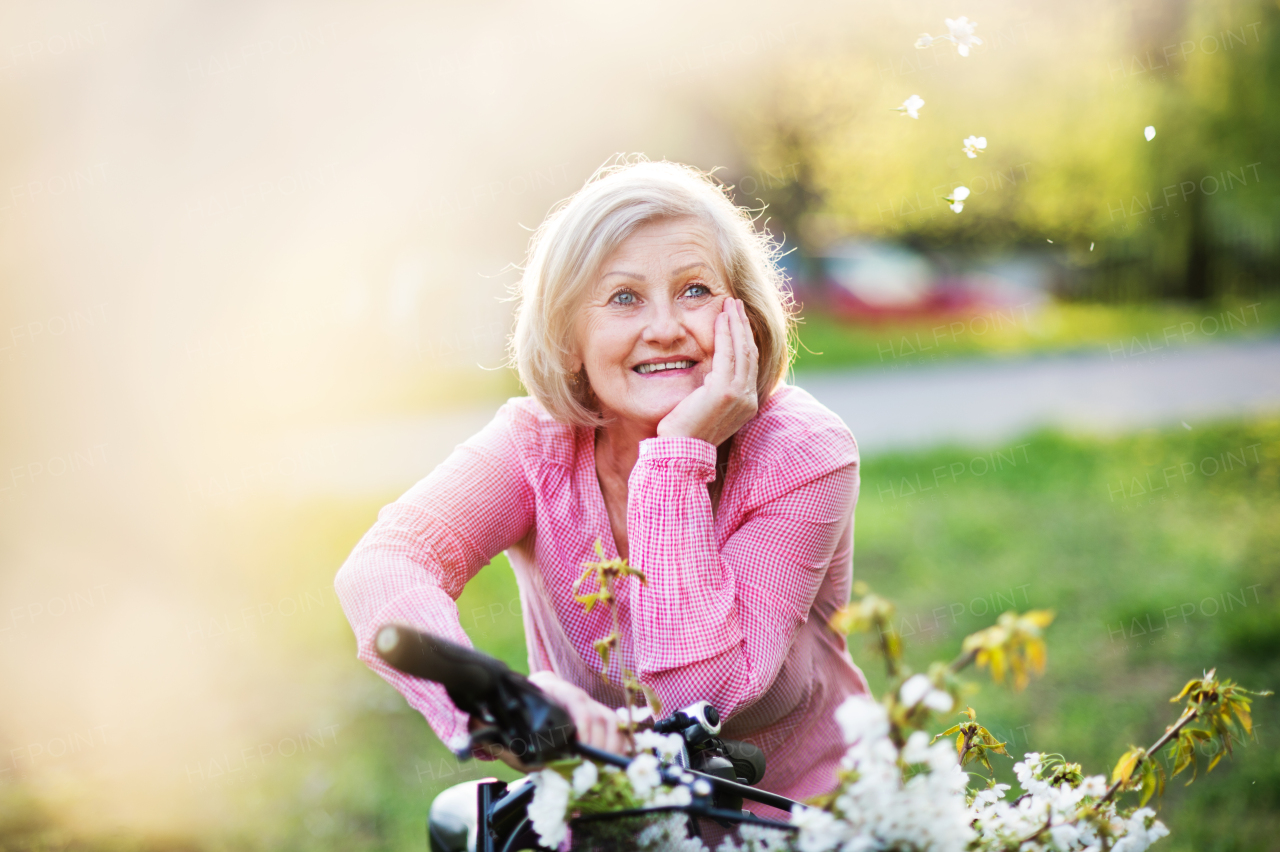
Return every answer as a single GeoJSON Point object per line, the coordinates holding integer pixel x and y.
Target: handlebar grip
{"type": "Point", "coordinates": [464, 673]}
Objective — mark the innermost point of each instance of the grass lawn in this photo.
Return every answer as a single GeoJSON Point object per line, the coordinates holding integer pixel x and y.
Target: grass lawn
{"type": "Point", "coordinates": [1118, 330]}
{"type": "Point", "coordinates": [1159, 552]}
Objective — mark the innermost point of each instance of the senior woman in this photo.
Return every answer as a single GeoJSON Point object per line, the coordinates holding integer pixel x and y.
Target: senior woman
{"type": "Point", "coordinates": [652, 336]}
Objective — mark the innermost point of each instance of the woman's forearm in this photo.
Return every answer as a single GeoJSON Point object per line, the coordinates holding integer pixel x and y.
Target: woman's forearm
{"type": "Point", "coordinates": [377, 587]}
{"type": "Point", "coordinates": [413, 564]}
{"type": "Point", "coordinates": [720, 617]}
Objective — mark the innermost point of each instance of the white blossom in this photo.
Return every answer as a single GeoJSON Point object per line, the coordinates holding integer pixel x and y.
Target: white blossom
{"type": "Point", "coordinates": [638, 714]}
{"type": "Point", "coordinates": [667, 745]}
{"type": "Point", "coordinates": [1059, 807]}
{"type": "Point", "coordinates": [973, 145]}
{"type": "Point", "coordinates": [914, 689]}
{"type": "Point", "coordinates": [820, 830]}
{"type": "Point", "coordinates": [939, 701]}
{"type": "Point", "coordinates": [1141, 830]}
{"type": "Point", "coordinates": [956, 198]}
{"type": "Point", "coordinates": [882, 811]}
{"type": "Point", "coordinates": [549, 806]}
{"type": "Point", "coordinates": [910, 799]}
{"type": "Point", "coordinates": [991, 794]}
{"type": "Point", "coordinates": [643, 774]}
{"type": "Point", "coordinates": [918, 688]}
{"type": "Point", "coordinates": [917, 748]}
{"type": "Point", "coordinates": [679, 796]}
{"type": "Point", "coordinates": [924, 41]}
{"type": "Point", "coordinates": [1095, 786]}
{"type": "Point", "coordinates": [584, 778]}
{"type": "Point", "coordinates": [1065, 835]}
{"type": "Point", "coordinates": [962, 34]}
{"type": "Point", "coordinates": [861, 717]}
{"type": "Point", "coordinates": [1149, 132]}
{"type": "Point", "coordinates": [911, 106]}
{"type": "Point", "coordinates": [668, 833]}
{"type": "Point", "coordinates": [757, 838]}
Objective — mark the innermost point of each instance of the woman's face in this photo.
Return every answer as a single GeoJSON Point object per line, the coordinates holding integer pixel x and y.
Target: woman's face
{"type": "Point", "coordinates": [647, 332]}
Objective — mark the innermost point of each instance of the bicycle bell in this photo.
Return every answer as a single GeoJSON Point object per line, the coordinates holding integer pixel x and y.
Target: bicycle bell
{"type": "Point", "coordinates": [697, 723]}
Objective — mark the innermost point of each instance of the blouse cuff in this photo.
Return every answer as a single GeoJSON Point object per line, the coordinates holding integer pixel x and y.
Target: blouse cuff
{"type": "Point", "coordinates": [691, 449]}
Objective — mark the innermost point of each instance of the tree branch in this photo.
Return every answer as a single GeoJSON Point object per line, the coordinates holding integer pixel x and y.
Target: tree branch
{"type": "Point", "coordinates": [963, 660]}
{"type": "Point", "coordinates": [891, 666]}
{"type": "Point", "coordinates": [968, 740]}
{"type": "Point", "coordinates": [1172, 731]}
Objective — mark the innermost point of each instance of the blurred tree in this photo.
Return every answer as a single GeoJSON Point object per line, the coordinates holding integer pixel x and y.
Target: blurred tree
{"type": "Point", "coordinates": [1063, 102]}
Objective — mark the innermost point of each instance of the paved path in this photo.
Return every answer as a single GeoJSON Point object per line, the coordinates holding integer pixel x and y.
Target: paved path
{"type": "Point", "coordinates": [971, 403]}
{"type": "Point", "coordinates": [989, 401]}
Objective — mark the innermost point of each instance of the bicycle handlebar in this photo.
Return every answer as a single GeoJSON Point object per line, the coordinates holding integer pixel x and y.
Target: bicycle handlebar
{"type": "Point", "coordinates": [523, 719]}
{"type": "Point", "coordinates": [521, 713]}
{"type": "Point", "coordinates": [469, 677]}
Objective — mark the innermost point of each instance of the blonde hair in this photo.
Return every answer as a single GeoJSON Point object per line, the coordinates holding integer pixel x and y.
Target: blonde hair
{"type": "Point", "coordinates": [567, 250]}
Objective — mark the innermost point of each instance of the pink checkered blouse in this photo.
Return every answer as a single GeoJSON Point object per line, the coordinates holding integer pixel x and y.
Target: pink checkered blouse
{"type": "Point", "coordinates": [737, 600]}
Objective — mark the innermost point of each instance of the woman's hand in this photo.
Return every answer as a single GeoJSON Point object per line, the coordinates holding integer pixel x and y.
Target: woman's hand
{"type": "Point", "coordinates": [597, 725]}
{"type": "Point", "coordinates": [727, 398]}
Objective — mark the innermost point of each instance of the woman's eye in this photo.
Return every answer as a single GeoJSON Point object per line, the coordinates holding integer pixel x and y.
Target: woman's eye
{"type": "Point", "coordinates": [698, 290]}
{"type": "Point", "coordinates": [624, 297]}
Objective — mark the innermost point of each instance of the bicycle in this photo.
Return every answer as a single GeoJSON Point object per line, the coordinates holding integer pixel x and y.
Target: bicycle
{"type": "Point", "coordinates": [519, 716]}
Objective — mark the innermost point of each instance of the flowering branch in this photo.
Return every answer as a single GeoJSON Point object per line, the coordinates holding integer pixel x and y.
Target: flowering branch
{"type": "Point", "coordinates": [605, 572]}
{"type": "Point", "coordinates": [871, 611]}
{"type": "Point", "coordinates": [1224, 708]}
{"type": "Point", "coordinates": [900, 789]}
{"type": "Point", "coordinates": [1131, 761]}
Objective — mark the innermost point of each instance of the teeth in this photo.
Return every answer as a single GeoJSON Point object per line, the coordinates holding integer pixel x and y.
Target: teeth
{"type": "Point", "coordinates": [670, 365]}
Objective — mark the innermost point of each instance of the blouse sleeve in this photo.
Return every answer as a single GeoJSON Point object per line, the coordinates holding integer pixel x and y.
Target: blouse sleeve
{"type": "Point", "coordinates": [716, 623]}
{"type": "Point", "coordinates": [411, 566]}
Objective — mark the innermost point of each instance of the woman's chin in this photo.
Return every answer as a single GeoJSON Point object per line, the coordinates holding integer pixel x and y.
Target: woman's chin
{"type": "Point", "coordinates": [651, 408]}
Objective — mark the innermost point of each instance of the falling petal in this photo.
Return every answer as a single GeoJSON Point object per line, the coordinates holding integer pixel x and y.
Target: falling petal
{"type": "Point", "coordinates": [1150, 133]}
{"type": "Point", "coordinates": [911, 106]}
{"type": "Point", "coordinates": [1186, 426]}
{"type": "Point", "coordinates": [1090, 246]}
{"type": "Point", "coordinates": [956, 199]}
{"type": "Point", "coordinates": [1050, 242]}
{"type": "Point", "coordinates": [961, 33]}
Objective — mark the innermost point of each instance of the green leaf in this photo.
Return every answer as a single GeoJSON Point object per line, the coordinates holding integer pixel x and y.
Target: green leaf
{"type": "Point", "coordinates": [1127, 763]}
{"type": "Point", "coordinates": [1242, 713]}
{"type": "Point", "coordinates": [603, 647]}
{"type": "Point", "coordinates": [1185, 751]}
{"type": "Point", "coordinates": [1148, 782]}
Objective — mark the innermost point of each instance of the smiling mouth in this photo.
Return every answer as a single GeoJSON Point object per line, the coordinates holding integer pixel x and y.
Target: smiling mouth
{"type": "Point", "coordinates": [645, 369]}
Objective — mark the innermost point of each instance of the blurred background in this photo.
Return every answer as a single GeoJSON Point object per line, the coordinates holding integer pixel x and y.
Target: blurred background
{"type": "Point", "coordinates": [255, 262]}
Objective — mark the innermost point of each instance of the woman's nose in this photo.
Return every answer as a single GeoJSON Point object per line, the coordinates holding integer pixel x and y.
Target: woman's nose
{"type": "Point", "coordinates": [663, 325]}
